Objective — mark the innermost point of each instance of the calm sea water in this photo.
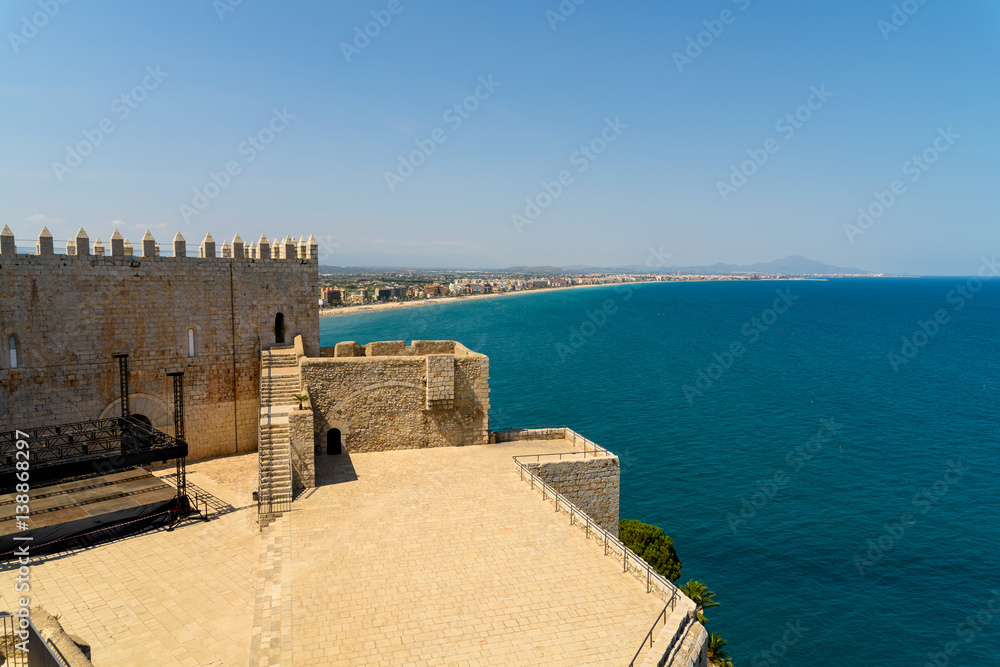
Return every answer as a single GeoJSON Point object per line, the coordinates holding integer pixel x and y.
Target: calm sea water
{"type": "Point", "coordinates": [844, 506]}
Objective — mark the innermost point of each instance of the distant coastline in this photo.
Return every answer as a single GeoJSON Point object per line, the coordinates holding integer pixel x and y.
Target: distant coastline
{"type": "Point", "coordinates": [372, 307]}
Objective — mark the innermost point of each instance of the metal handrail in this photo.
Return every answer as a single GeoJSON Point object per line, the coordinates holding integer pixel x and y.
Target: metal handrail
{"type": "Point", "coordinates": [50, 656]}
{"type": "Point", "coordinates": [538, 457]}
{"type": "Point", "coordinates": [260, 435]}
{"type": "Point", "coordinates": [654, 580]}
{"type": "Point", "coordinates": [649, 635]}
{"type": "Point", "coordinates": [271, 506]}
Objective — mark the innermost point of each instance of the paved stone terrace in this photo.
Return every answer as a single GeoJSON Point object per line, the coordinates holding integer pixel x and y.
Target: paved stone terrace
{"type": "Point", "coordinates": [422, 557]}
{"type": "Point", "coordinates": [443, 556]}
{"type": "Point", "coordinates": [161, 598]}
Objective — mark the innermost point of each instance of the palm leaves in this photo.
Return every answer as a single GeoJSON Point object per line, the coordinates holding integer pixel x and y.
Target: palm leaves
{"type": "Point", "coordinates": [300, 399]}
{"type": "Point", "coordinates": [703, 599]}
{"type": "Point", "coordinates": [717, 654]}
{"type": "Point", "coordinates": [701, 596]}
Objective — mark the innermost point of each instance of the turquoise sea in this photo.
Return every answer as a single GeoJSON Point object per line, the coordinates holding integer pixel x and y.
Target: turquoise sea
{"type": "Point", "coordinates": [843, 503]}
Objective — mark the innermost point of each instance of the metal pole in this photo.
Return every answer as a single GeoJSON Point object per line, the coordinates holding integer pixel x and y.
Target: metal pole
{"type": "Point", "coordinates": [123, 382]}
{"type": "Point", "coordinates": [179, 429]}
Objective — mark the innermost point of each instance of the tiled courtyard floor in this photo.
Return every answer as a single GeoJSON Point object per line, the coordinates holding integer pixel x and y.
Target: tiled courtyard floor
{"type": "Point", "coordinates": [443, 556]}
{"type": "Point", "coordinates": [419, 557]}
{"type": "Point", "coordinates": [161, 598]}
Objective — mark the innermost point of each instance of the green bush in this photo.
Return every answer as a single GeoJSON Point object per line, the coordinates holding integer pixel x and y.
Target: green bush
{"type": "Point", "coordinates": [652, 545]}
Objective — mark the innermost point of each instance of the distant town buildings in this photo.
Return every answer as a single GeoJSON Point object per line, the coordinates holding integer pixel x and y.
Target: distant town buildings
{"type": "Point", "coordinates": [332, 296]}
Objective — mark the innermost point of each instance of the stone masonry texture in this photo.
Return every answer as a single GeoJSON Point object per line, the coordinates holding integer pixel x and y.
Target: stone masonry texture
{"type": "Point", "coordinates": [592, 484]}
{"type": "Point", "coordinates": [388, 395]}
{"type": "Point", "coordinates": [70, 314]}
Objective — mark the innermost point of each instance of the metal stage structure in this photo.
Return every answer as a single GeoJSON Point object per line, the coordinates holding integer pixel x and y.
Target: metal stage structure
{"type": "Point", "coordinates": [55, 459]}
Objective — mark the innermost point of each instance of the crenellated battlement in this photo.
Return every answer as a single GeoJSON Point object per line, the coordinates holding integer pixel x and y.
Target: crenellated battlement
{"type": "Point", "coordinates": [80, 246]}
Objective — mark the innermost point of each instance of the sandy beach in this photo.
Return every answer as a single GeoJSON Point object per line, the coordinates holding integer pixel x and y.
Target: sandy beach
{"type": "Point", "coordinates": [371, 307]}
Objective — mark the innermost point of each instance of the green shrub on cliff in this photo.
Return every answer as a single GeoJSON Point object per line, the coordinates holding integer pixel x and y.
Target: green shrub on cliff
{"type": "Point", "coordinates": [652, 545]}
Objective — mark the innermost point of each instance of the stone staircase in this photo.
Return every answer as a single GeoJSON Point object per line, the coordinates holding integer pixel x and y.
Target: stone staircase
{"type": "Point", "coordinates": [279, 382]}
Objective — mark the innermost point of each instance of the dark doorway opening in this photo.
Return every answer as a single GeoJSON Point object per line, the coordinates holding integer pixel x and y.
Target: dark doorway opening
{"type": "Point", "coordinates": [143, 419]}
{"type": "Point", "coordinates": [279, 328]}
{"type": "Point", "coordinates": [334, 445]}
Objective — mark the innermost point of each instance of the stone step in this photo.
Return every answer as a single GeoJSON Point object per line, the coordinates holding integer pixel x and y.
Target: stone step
{"type": "Point", "coordinates": [280, 363]}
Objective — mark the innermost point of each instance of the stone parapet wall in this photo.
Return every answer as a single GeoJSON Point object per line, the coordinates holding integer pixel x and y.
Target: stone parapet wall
{"type": "Point", "coordinates": [681, 642]}
{"type": "Point", "coordinates": [302, 447]}
{"type": "Point", "coordinates": [592, 484]}
{"type": "Point", "coordinates": [583, 487]}
{"type": "Point", "coordinates": [70, 314]}
{"type": "Point", "coordinates": [399, 400]}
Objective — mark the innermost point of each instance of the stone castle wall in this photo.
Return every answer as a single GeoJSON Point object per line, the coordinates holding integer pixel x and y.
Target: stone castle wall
{"type": "Point", "coordinates": [592, 484]}
{"type": "Point", "coordinates": [70, 313]}
{"type": "Point", "coordinates": [301, 439]}
{"type": "Point", "coordinates": [388, 395]}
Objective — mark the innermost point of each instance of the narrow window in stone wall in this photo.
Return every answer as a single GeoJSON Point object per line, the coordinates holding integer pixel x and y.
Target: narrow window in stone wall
{"type": "Point", "coordinates": [279, 328]}
{"type": "Point", "coordinates": [190, 342]}
{"type": "Point", "coordinates": [12, 344]}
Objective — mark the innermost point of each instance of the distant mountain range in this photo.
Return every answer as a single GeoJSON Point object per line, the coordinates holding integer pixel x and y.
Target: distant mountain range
{"type": "Point", "coordinates": [794, 265]}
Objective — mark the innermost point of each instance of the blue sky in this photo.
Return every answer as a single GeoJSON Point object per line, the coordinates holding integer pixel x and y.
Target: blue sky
{"type": "Point", "coordinates": [678, 133]}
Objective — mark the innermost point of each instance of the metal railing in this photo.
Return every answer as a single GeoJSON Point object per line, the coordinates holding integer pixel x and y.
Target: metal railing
{"type": "Point", "coordinates": [555, 433]}
{"type": "Point", "coordinates": [675, 641]}
{"type": "Point", "coordinates": [560, 455]}
{"type": "Point", "coordinates": [655, 582]}
{"type": "Point", "coordinates": [649, 635]}
{"type": "Point", "coordinates": [260, 434]}
{"type": "Point", "coordinates": [40, 653]}
{"type": "Point", "coordinates": [267, 504]}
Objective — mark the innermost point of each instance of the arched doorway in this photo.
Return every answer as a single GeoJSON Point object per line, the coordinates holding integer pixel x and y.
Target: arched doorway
{"type": "Point", "coordinates": [279, 329]}
{"type": "Point", "coordinates": [146, 421]}
{"type": "Point", "coordinates": [334, 443]}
